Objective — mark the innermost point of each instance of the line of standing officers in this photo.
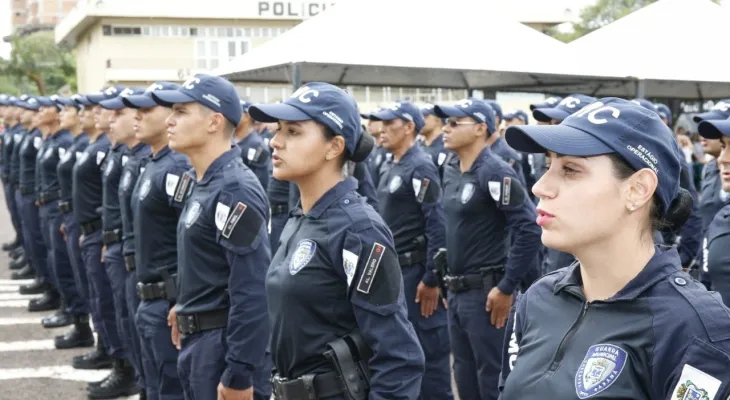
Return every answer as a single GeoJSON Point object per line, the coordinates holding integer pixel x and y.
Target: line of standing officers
{"type": "Point", "coordinates": [225, 250]}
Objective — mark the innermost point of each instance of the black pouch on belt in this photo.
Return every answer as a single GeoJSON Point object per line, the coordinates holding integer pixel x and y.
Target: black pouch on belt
{"type": "Point", "coordinates": [350, 356]}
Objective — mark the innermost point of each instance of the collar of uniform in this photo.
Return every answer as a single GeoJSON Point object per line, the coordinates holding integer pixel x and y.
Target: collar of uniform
{"type": "Point", "coordinates": [414, 149]}
{"type": "Point", "coordinates": [245, 140]}
{"type": "Point", "coordinates": [60, 133]}
{"type": "Point", "coordinates": [81, 136]}
{"type": "Point", "coordinates": [330, 197]}
{"type": "Point", "coordinates": [118, 147]}
{"type": "Point", "coordinates": [163, 152]}
{"type": "Point", "coordinates": [138, 148]}
{"type": "Point", "coordinates": [439, 141]}
{"type": "Point", "coordinates": [662, 264]}
{"type": "Point", "coordinates": [219, 163]}
{"type": "Point", "coordinates": [486, 152]}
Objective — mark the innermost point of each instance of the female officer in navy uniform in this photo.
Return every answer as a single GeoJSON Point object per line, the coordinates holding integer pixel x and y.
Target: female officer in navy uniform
{"type": "Point", "coordinates": [624, 322]}
{"type": "Point", "coordinates": [336, 272]}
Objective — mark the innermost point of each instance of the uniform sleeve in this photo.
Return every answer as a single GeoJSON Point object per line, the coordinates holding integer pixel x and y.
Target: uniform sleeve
{"type": "Point", "coordinates": [691, 232]}
{"type": "Point", "coordinates": [427, 188]}
{"type": "Point", "coordinates": [371, 267]}
{"type": "Point", "coordinates": [365, 187]}
{"type": "Point", "coordinates": [242, 232]}
{"type": "Point", "coordinates": [512, 339]}
{"type": "Point", "coordinates": [511, 198]}
{"type": "Point", "coordinates": [177, 181]}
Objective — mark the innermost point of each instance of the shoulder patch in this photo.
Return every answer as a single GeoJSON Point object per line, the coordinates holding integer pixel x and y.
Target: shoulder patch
{"type": "Point", "coordinates": [171, 181]}
{"type": "Point", "coordinates": [371, 268]}
{"type": "Point", "coordinates": [441, 158]}
{"type": "Point", "coordinates": [124, 160]}
{"type": "Point", "coordinates": [233, 220]}
{"type": "Point", "coordinates": [601, 366]}
{"type": "Point", "coordinates": [695, 384]}
{"type": "Point", "coordinates": [100, 156]}
{"type": "Point", "coordinates": [495, 190]}
{"type": "Point", "coordinates": [221, 215]}
{"type": "Point", "coordinates": [506, 190]}
{"type": "Point", "coordinates": [707, 305]}
{"type": "Point", "coordinates": [251, 153]}
{"type": "Point", "coordinates": [37, 141]}
{"type": "Point", "coordinates": [61, 152]}
{"type": "Point", "coordinates": [349, 263]}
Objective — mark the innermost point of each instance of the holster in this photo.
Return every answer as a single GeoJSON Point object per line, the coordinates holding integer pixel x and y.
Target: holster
{"type": "Point", "coordinates": [170, 284]}
{"type": "Point", "coordinates": [350, 356]}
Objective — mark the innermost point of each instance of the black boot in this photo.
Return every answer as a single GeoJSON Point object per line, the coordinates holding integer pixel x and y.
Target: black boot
{"type": "Point", "coordinates": [10, 246]}
{"type": "Point", "coordinates": [95, 359]}
{"type": "Point", "coordinates": [79, 336]}
{"type": "Point", "coordinates": [120, 383]}
{"type": "Point", "coordinates": [37, 287]}
{"type": "Point", "coordinates": [17, 253]}
{"type": "Point", "coordinates": [51, 300]}
{"type": "Point", "coordinates": [26, 272]}
{"type": "Point", "coordinates": [59, 319]}
{"type": "Point", "coordinates": [18, 264]}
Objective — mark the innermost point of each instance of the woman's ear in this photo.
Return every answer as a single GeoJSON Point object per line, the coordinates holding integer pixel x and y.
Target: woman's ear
{"type": "Point", "coordinates": [641, 187]}
{"type": "Point", "coordinates": [336, 147]}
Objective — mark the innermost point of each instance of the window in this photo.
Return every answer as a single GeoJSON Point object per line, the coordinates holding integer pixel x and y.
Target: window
{"type": "Point", "coordinates": [200, 59]}
{"type": "Point", "coordinates": [239, 32]}
{"type": "Point", "coordinates": [155, 30]}
{"type": "Point", "coordinates": [126, 31]}
{"type": "Point", "coordinates": [174, 31]}
{"type": "Point", "coordinates": [265, 32]}
{"type": "Point", "coordinates": [106, 30]}
{"type": "Point", "coordinates": [164, 31]}
{"type": "Point", "coordinates": [193, 31]}
{"type": "Point", "coordinates": [247, 32]}
{"type": "Point", "coordinates": [146, 30]}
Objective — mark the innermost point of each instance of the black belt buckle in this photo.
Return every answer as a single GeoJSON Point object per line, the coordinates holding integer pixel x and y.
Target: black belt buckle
{"type": "Point", "coordinates": [24, 191]}
{"type": "Point", "coordinates": [187, 324]}
{"type": "Point", "coordinates": [456, 284]}
{"type": "Point", "coordinates": [110, 237]}
{"type": "Point", "coordinates": [277, 385]}
{"type": "Point", "coordinates": [129, 263]}
{"type": "Point", "coordinates": [491, 276]}
{"type": "Point", "coordinates": [64, 207]}
{"type": "Point", "coordinates": [300, 388]}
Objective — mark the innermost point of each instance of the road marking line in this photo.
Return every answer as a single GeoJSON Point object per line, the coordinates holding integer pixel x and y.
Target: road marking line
{"type": "Point", "coordinates": [16, 282]}
{"type": "Point", "coordinates": [20, 321]}
{"type": "Point", "coordinates": [18, 296]}
{"type": "Point", "coordinates": [28, 345]}
{"type": "Point", "coordinates": [65, 372]}
{"type": "Point", "coordinates": [14, 304]}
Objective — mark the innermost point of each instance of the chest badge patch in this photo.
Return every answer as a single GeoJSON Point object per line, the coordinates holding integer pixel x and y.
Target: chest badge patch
{"type": "Point", "coordinates": [600, 368]}
{"type": "Point", "coordinates": [394, 184]}
{"type": "Point", "coordinates": [125, 159]}
{"type": "Point", "coordinates": [302, 255]}
{"type": "Point", "coordinates": [442, 158]}
{"type": "Point", "coordinates": [100, 156]}
{"type": "Point", "coordinates": [126, 180]}
{"type": "Point", "coordinates": [144, 189]}
{"type": "Point", "coordinates": [48, 154]}
{"type": "Point", "coordinates": [37, 141]}
{"type": "Point", "coordinates": [378, 159]}
{"type": "Point", "coordinates": [82, 157]}
{"type": "Point", "coordinates": [192, 214]}
{"type": "Point", "coordinates": [695, 385]}
{"type": "Point", "coordinates": [109, 167]}
{"type": "Point", "coordinates": [467, 193]}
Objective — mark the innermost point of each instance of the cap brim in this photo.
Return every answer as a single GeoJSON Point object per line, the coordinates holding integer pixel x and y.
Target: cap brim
{"type": "Point", "coordinates": [365, 116]}
{"type": "Point", "coordinates": [277, 112]}
{"type": "Point", "coordinates": [384, 115]}
{"type": "Point", "coordinates": [112, 104]}
{"type": "Point", "coordinates": [95, 99]}
{"type": "Point", "coordinates": [171, 97]}
{"type": "Point", "coordinates": [549, 114]}
{"type": "Point", "coordinates": [714, 129]}
{"type": "Point", "coordinates": [560, 139]}
{"type": "Point", "coordinates": [83, 100]}
{"type": "Point", "coordinates": [449, 111]}
{"type": "Point", "coordinates": [709, 116]}
{"type": "Point", "coordinates": [139, 101]}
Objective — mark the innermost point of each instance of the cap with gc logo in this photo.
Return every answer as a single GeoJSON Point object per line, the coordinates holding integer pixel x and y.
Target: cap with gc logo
{"type": "Point", "coordinates": [106, 94]}
{"type": "Point", "coordinates": [519, 114]}
{"type": "Point", "coordinates": [214, 92]}
{"type": "Point", "coordinates": [610, 125]}
{"type": "Point", "coordinates": [145, 99]}
{"type": "Point", "coordinates": [476, 109]}
{"type": "Point", "coordinates": [323, 103]}
{"type": "Point", "coordinates": [721, 110]}
{"type": "Point", "coordinates": [30, 103]}
{"type": "Point", "coordinates": [550, 102]}
{"type": "Point", "coordinates": [566, 107]}
{"type": "Point", "coordinates": [117, 103]}
{"type": "Point", "coordinates": [404, 110]}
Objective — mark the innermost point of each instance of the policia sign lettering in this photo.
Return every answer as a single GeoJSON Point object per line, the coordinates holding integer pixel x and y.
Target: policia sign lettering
{"type": "Point", "coordinates": [296, 9]}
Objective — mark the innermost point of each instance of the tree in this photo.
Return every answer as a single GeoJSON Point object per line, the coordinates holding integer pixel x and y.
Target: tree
{"type": "Point", "coordinates": [37, 60]}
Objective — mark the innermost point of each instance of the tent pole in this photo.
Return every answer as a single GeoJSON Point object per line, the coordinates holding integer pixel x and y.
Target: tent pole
{"type": "Point", "coordinates": [296, 76]}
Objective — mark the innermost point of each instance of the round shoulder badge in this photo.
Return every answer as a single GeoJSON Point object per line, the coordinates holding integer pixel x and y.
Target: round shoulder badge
{"type": "Point", "coordinates": [144, 189]}
{"type": "Point", "coordinates": [600, 368]}
{"type": "Point", "coordinates": [302, 255]}
{"type": "Point", "coordinates": [395, 184]}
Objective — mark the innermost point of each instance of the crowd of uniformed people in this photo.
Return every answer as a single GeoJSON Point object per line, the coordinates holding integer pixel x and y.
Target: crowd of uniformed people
{"type": "Point", "coordinates": [207, 248]}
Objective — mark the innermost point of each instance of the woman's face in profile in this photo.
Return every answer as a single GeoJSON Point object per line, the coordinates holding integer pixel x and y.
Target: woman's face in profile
{"type": "Point", "coordinates": [580, 203]}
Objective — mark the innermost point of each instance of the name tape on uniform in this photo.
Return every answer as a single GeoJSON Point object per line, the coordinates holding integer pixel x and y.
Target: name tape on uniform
{"type": "Point", "coordinates": [371, 268]}
{"type": "Point", "coordinates": [233, 220]}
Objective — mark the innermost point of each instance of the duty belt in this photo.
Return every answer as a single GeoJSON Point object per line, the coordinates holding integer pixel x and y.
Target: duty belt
{"type": "Point", "coordinates": [412, 257]}
{"type": "Point", "coordinates": [47, 197]}
{"type": "Point", "coordinates": [307, 387]}
{"type": "Point", "coordinates": [189, 324]}
{"type": "Point", "coordinates": [487, 278]}
{"type": "Point", "coordinates": [152, 291]}
{"type": "Point", "coordinates": [25, 190]}
{"type": "Point", "coordinates": [111, 237]}
{"type": "Point", "coordinates": [278, 209]}
{"type": "Point", "coordinates": [65, 207]}
{"type": "Point", "coordinates": [129, 263]}
{"type": "Point", "coordinates": [90, 227]}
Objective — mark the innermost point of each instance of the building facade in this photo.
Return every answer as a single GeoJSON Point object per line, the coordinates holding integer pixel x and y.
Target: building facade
{"type": "Point", "coordinates": [28, 16]}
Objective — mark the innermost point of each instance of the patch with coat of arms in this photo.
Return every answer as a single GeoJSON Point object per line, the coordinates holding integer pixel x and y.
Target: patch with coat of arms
{"type": "Point", "coordinates": [302, 255]}
{"type": "Point", "coordinates": [467, 193]}
{"type": "Point", "coordinates": [600, 368]}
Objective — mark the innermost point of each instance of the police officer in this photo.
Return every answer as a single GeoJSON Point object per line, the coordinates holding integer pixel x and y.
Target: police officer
{"type": "Point", "coordinates": [519, 117]}
{"type": "Point", "coordinates": [27, 271]}
{"type": "Point", "coordinates": [549, 102]}
{"type": "Point", "coordinates": [716, 260]}
{"type": "Point", "coordinates": [157, 202]}
{"type": "Point", "coordinates": [335, 278]}
{"type": "Point", "coordinates": [70, 120]}
{"type": "Point", "coordinates": [278, 194]}
{"type": "Point", "coordinates": [552, 258]}
{"type": "Point", "coordinates": [220, 319]}
{"type": "Point", "coordinates": [410, 204]}
{"type": "Point", "coordinates": [86, 199]}
{"type": "Point", "coordinates": [379, 155]}
{"type": "Point", "coordinates": [486, 208]}
{"type": "Point", "coordinates": [432, 136]}
{"type": "Point", "coordinates": [10, 144]}
{"type": "Point", "coordinates": [664, 113]}
{"type": "Point", "coordinates": [589, 330]}
{"type": "Point", "coordinates": [500, 147]}
{"type": "Point", "coordinates": [256, 154]}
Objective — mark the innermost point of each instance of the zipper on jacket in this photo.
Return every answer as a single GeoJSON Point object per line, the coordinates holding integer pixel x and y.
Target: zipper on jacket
{"type": "Point", "coordinates": [559, 353]}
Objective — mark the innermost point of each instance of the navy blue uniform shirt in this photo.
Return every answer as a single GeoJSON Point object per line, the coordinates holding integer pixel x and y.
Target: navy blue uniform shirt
{"type": "Point", "coordinates": [482, 205]}
{"type": "Point", "coordinates": [278, 192]}
{"type": "Point", "coordinates": [510, 156]}
{"type": "Point", "coordinates": [87, 188]}
{"type": "Point", "coordinates": [111, 215]}
{"type": "Point", "coordinates": [32, 143]}
{"type": "Point", "coordinates": [365, 186]}
{"type": "Point", "coordinates": [157, 208]}
{"type": "Point", "coordinates": [257, 157]}
{"type": "Point", "coordinates": [663, 336]}
{"type": "Point", "coordinates": [410, 203]}
{"type": "Point", "coordinates": [14, 169]}
{"type": "Point", "coordinates": [377, 157]}
{"type": "Point", "coordinates": [439, 154]}
{"type": "Point", "coordinates": [223, 254]}
{"type": "Point", "coordinates": [137, 157]}
{"type": "Point", "coordinates": [56, 148]}
{"type": "Point", "coordinates": [710, 196]}
{"type": "Point", "coordinates": [8, 146]}
{"type": "Point", "coordinates": [336, 272]}
{"type": "Point", "coordinates": [65, 167]}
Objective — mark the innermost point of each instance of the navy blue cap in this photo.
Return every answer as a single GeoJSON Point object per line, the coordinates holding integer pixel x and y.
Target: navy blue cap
{"type": "Point", "coordinates": [367, 115]}
{"type": "Point", "coordinates": [610, 125]}
{"type": "Point", "coordinates": [496, 107]}
{"type": "Point", "coordinates": [13, 101]}
{"type": "Point", "coordinates": [117, 103]}
{"type": "Point", "coordinates": [244, 106]}
{"type": "Point", "coordinates": [145, 99]}
{"type": "Point", "coordinates": [30, 103]}
{"type": "Point", "coordinates": [550, 102]}
{"type": "Point", "coordinates": [477, 109]}
{"type": "Point", "coordinates": [714, 129]}
{"type": "Point", "coordinates": [68, 101]}
{"type": "Point", "coordinates": [646, 104]}
{"type": "Point", "coordinates": [82, 100]}
{"type": "Point", "coordinates": [4, 99]}
{"type": "Point", "coordinates": [664, 112]}
{"type": "Point", "coordinates": [45, 101]}
{"type": "Point", "coordinates": [320, 102]}
{"type": "Point", "coordinates": [404, 110]}
{"type": "Point", "coordinates": [213, 92]}
{"type": "Point", "coordinates": [106, 94]}
{"type": "Point", "coordinates": [517, 114]}
{"type": "Point", "coordinates": [720, 111]}
{"type": "Point", "coordinates": [428, 110]}
{"type": "Point", "coordinates": [564, 109]}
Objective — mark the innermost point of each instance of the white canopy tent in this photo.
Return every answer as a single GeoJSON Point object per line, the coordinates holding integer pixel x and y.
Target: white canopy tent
{"type": "Point", "coordinates": [409, 43]}
{"type": "Point", "coordinates": [645, 44]}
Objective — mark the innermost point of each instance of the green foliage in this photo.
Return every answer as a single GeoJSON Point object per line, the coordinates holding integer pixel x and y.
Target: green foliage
{"type": "Point", "coordinates": [37, 65]}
